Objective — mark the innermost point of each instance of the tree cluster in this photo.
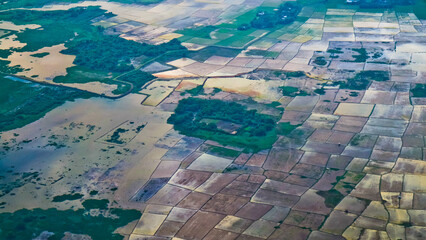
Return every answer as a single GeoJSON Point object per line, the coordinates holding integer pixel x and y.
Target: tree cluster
{"type": "Point", "coordinates": [113, 54]}
{"type": "Point", "coordinates": [190, 112]}
{"type": "Point", "coordinates": [93, 49]}
{"type": "Point", "coordinates": [137, 78]}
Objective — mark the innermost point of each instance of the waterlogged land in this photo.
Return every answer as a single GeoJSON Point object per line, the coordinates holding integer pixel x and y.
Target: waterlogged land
{"type": "Point", "coordinates": [234, 120]}
{"type": "Point", "coordinates": [79, 56]}
{"type": "Point", "coordinates": [23, 102]}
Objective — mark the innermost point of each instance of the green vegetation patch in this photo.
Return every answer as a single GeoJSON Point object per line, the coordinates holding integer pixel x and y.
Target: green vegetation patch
{"type": "Point", "coordinates": [289, 91]}
{"type": "Point", "coordinates": [17, 180]}
{"type": "Point", "coordinates": [115, 137]}
{"type": "Point", "coordinates": [263, 53]}
{"type": "Point", "coordinates": [96, 53]}
{"type": "Point", "coordinates": [419, 9]}
{"type": "Point", "coordinates": [363, 140]}
{"type": "Point", "coordinates": [4, 33]}
{"type": "Point", "coordinates": [5, 69]}
{"type": "Point", "coordinates": [222, 152]}
{"type": "Point", "coordinates": [379, 76]}
{"type": "Point", "coordinates": [83, 75]}
{"type": "Point", "coordinates": [419, 90]}
{"type": "Point", "coordinates": [353, 177]}
{"type": "Point", "coordinates": [79, 74]}
{"type": "Point", "coordinates": [5, 53]}
{"type": "Point", "coordinates": [93, 193]}
{"type": "Point", "coordinates": [320, 61]}
{"type": "Point", "coordinates": [198, 90]}
{"type": "Point", "coordinates": [347, 182]}
{"type": "Point", "coordinates": [295, 74]}
{"type": "Point", "coordinates": [27, 224]}
{"type": "Point", "coordinates": [285, 14]}
{"type": "Point", "coordinates": [331, 197]}
{"type": "Point", "coordinates": [236, 41]}
{"type": "Point", "coordinates": [23, 102]}
{"type": "Point", "coordinates": [137, 78]}
{"type": "Point", "coordinates": [95, 204]}
{"type": "Point", "coordinates": [285, 128]}
{"type": "Point", "coordinates": [67, 197]}
{"type": "Point", "coordinates": [40, 55]}
{"type": "Point", "coordinates": [293, 91]}
{"type": "Point", "coordinates": [53, 32]}
{"type": "Point", "coordinates": [202, 41]}
{"type": "Point", "coordinates": [320, 91]}
{"type": "Point", "coordinates": [355, 84]}
{"type": "Point", "coordinates": [353, 94]}
{"type": "Point", "coordinates": [205, 53]}
{"type": "Point", "coordinates": [362, 80]}
{"type": "Point", "coordinates": [238, 169]}
{"type": "Point", "coordinates": [335, 51]}
{"type": "Point", "coordinates": [256, 131]}
{"type": "Point", "coordinates": [200, 32]}
{"type": "Point", "coordinates": [121, 89]}
{"type": "Point", "coordinates": [247, 17]}
{"type": "Point", "coordinates": [362, 55]}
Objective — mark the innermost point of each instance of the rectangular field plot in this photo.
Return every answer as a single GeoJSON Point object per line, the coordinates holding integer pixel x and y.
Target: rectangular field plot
{"type": "Point", "coordinates": [158, 90]}
{"type": "Point", "coordinates": [236, 41]}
